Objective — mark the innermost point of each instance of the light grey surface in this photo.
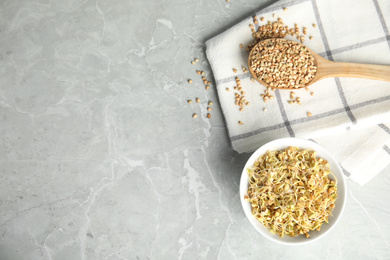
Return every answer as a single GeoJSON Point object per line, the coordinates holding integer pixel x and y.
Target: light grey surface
{"type": "Point", "coordinates": [100, 157]}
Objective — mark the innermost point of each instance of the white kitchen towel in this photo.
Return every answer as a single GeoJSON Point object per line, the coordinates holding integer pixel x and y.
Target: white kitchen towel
{"type": "Point", "coordinates": [349, 115]}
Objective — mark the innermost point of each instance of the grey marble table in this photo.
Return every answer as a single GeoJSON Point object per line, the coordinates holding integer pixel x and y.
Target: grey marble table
{"type": "Point", "coordinates": [100, 155]}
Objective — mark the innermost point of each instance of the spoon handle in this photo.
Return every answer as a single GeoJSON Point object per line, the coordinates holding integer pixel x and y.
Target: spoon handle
{"type": "Point", "coordinates": [354, 70]}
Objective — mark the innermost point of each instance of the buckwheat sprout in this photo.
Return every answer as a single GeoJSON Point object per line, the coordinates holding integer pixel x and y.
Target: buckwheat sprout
{"type": "Point", "coordinates": [290, 191]}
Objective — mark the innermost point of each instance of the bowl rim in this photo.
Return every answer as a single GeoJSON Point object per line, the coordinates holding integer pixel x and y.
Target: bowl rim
{"type": "Point", "coordinates": [321, 152]}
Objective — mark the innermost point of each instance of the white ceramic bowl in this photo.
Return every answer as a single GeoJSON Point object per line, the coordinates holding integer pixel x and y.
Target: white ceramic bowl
{"type": "Point", "coordinates": [334, 167]}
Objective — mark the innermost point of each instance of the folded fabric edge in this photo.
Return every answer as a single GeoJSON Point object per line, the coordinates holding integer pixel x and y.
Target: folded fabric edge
{"type": "Point", "coordinates": [371, 167]}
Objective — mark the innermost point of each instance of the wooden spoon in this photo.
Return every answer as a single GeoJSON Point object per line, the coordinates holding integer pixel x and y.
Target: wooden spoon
{"type": "Point", "coordinates": [327, 68]}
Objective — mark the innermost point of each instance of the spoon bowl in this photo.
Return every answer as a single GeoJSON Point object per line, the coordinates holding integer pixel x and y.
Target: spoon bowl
{"type": "Point", "coordinates": [327, 68]}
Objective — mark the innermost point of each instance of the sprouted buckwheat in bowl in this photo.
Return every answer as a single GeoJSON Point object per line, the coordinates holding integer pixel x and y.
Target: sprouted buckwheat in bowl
{"type": "Point", "coordinates": [292, 191]}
